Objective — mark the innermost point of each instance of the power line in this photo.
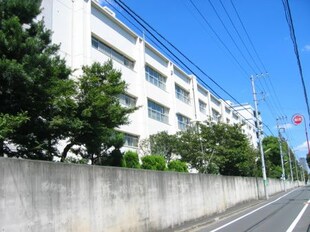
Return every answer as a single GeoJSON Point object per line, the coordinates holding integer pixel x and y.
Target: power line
{"type": "Point", "coordinates": [289, 20]}
{"type": "Point", "coordinates": [275, 99]}
{"type": "Point", "coordinates": [239, 36]}
{"type": "Point", "coordinates": [231, 37]}
{"type": "Point", "coordinates": [135, 16]}
{"type": "Point", "coordinates": [247, 34]}
{"type": "Point", "coordinates": [218, 37]}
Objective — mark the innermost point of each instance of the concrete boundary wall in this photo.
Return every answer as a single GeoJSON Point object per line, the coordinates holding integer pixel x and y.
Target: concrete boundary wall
{"type": "Point", "coordinates": [41, 196]}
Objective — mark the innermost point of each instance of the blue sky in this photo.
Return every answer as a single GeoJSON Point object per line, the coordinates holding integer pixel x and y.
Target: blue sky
{"type": "Point", "coordinates": [180, 23]}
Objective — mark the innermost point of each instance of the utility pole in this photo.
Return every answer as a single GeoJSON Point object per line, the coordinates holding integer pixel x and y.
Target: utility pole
{"type": "Point", "coordinates": [296, 169]}
{"type": "Point", "coordinates": [260, 143]}
{"type": "Point", "coordinates": [281, 155]}
{"type": "Point", "coordinates": [290, 160]}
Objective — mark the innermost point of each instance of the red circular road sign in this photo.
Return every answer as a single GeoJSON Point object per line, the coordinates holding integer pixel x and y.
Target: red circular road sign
{"type": "Point", "coordinates": [297, 119]}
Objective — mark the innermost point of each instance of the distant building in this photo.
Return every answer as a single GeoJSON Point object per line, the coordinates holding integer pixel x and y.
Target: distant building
{"type": "Point", "coordinates": [170, 99]}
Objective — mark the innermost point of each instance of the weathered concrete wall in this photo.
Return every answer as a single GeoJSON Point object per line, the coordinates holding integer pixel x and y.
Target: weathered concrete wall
{"type": "Point", "coordinates": [44, 196]}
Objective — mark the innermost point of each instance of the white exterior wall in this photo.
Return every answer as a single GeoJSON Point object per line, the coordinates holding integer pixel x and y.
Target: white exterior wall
{"type": "Point", "coordinates": [249, 128]}
{"type": "Point", "coordinates": [74, 23]}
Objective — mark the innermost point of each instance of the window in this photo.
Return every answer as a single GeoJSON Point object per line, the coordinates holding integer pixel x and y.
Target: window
{"type": "Point", "coordinates": [202, 91]}
{"type": "Point", "coordinates": [202, 107]}
{"type": "Point", "coordinates": [157, 112]}
{"type": "Point", "coordinates": [127, 100]}
{"type": "Point", "coordinates": [155, 78]}
{"type": "Point", "coordinates": [182, 94]}
{"type": "Point", "coordinates": [183, 122]}
{"type": "Point", "coordinates": [215, 101]}
{"type": "Point", "coordinates": [113, 54]}
{"type": "Point", "coordinates": [182, 76]}
{"type": "Point", "coordinates": [227, 110]}
{"type": "Point", "coordinates": [216, 115]}
{"type": "Point", "coordinates": [131, 140]}
{"type": "Point", "coordinates": [235, 116]}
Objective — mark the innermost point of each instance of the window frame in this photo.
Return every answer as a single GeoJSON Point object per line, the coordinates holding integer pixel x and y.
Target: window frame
{"type": "Point", "coordinates": [134, 140]}
{"type": "Point", "coordinates": [201, 108]}
{"type": "Point", "coordinates": [127, 100]}
{"type": "Point", "coordinates": [112, 53]}
{"type": "Point", "coordinates": [160, 114]}
{"type": "Point", "coordinates": [155, 77]}
{"type": "Point", "coordinates": [184, 123]}
{"type": "Point", "coordinates": [182, 94]}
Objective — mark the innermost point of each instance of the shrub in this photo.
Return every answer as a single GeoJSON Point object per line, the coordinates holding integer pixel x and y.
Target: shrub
{"type": "Point", "coordinates": [177, 166]}
{"type": "Point", "coordinates": [154, 162]}
{"type": "Point", "coordinates": [131, 160]}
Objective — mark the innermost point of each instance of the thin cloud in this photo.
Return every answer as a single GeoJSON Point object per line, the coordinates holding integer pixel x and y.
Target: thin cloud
{"type": "Point", "coordinates": [306, 48]}
{"type": "Point", "coordinates": [287, 126]}
{"type": "Point", "coordinates": [302, 147]}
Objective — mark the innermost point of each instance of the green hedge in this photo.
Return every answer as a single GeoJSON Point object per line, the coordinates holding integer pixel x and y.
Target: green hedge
{"type": "Point", "coordinates": [154, 162]}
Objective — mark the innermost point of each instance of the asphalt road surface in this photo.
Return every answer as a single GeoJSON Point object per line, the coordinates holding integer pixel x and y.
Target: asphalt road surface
{"type": "Point", "coordinates": [289, 212]}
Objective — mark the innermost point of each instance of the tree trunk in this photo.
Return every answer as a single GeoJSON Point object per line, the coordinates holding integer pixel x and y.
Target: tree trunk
{"type": "Point", "coordinates": [65, 151]}
{"type": "Point", "coordinates": [1, 147]}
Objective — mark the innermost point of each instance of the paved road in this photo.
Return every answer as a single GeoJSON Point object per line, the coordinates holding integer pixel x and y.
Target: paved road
{"type": "Point", "coordinates": [287, 213]}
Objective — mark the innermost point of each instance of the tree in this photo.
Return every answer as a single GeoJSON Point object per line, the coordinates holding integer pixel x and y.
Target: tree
{"type": "Point", "coordinates": [192, 150]}
{"type": "Point", "coordinates": [177, 166]}
{"type": "Point", "coordinates": [34, 81]}
{"type": "Point", "coordinates": [218, 149]}
{"type": "Point", "coordinates": [273, 158]}
{"type": "Point", "coordinates": [8, 125]}
{"type": "Point", "coordinates": [99, 112]}
{"type": "Point", "coordinates": [162, 144]}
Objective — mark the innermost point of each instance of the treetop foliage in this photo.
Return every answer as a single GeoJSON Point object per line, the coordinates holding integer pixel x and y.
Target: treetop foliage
{"type": "Point", "coordinates": [39, 103]}
{"type": "Point", "coordinates": [215, 148]}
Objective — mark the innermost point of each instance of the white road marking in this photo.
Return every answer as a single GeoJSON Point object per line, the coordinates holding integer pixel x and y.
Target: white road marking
{"type": "Point", "coordinates": [233, 221]}
{"type": "Point", "coordinates": [291, 228]}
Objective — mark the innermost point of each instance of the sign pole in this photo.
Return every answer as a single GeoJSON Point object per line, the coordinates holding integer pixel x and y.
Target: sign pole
{"type": "Point", "coordinates": [297, 119]}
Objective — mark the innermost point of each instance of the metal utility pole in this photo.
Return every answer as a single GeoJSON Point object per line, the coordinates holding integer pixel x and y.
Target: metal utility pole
{"type": "Point", "coordinates": [259, 129]}
{"type": "Point", "coordinates": [296, 169]}
{"type": "Point", "coordinates": [290, 160]}
{"type": "Point", "coordinates": [281, 155]}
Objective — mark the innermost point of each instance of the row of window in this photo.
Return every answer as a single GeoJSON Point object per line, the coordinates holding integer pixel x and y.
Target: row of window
{"type": "Point", "coordinates": [151, 75]}
{"type": "Point", "coordinates": [160, 113]}
{"type": "Point", "coordinates": [159, 80]}
{"type": "Point", "coordinates": [112, 53]}
{"type": "Point", "coordinates": [155, 111]}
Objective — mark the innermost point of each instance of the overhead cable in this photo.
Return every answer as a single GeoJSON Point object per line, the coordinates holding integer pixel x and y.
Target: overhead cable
{"type": "Point", "coordinates": [135, 16]}
{"type": "Point", "coordinates": [293, 38]}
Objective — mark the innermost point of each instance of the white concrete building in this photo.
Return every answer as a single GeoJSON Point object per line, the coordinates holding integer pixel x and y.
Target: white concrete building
{"type": "Point", "coordinates": [170, 99]}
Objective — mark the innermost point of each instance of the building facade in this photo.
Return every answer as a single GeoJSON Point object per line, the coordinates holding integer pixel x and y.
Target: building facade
{"type": "Point", "coordinates": [169, 99]}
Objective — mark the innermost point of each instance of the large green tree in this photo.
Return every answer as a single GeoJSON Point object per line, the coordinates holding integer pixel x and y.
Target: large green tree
{"type": "Point", "coordinates": [98, 113]}
{"type": "Point", "coordinates": [34, 81]}
{"type": "Point", "coordinates": [271, 146]}
{"type": "Point", "coordinates": [218, 149]}
{"type": "Point", "coordinates": [162, 144]}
